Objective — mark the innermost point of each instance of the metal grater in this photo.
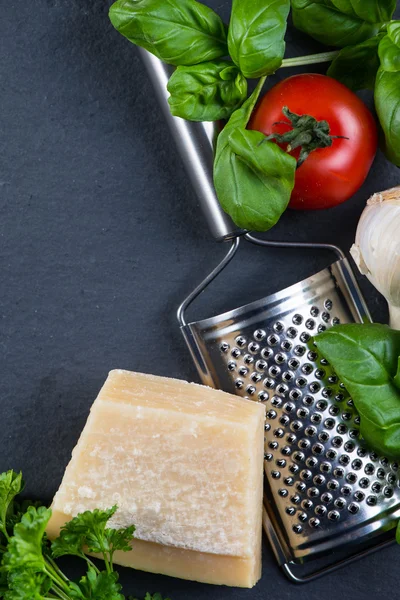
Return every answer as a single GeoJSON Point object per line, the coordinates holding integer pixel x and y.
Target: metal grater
{"type": "Point", "coordinates": [325, 491]}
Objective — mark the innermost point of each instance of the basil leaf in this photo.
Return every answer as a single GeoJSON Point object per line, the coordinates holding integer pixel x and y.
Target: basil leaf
{"type": "Point", "coordinates": [179, 32]}
{"type": "Point", "coordinates": [387, 92]}
{"type": "Point", "coordinates": [253, 180]}
{"type": "Point", "coordinates": [341, 22]}
{"type": "Point", "coordinates": [256, 35]}
{"type": "Point", "coordinates": [366, 358]}
{"type": "Point", "coordinates": [207, 92]}
{"type": "Point", "coordinates": [357, 66]}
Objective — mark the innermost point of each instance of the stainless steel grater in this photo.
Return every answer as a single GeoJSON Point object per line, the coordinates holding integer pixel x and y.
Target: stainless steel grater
{"type": "Point", "coordinates": [326, 493]}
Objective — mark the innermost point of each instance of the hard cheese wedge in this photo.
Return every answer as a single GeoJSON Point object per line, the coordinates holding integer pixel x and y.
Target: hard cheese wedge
{"type": "Point", "coordinates": [184, 463]}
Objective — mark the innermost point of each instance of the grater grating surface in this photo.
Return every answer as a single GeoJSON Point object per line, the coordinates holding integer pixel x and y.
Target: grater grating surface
{"type": "Point", "coordinates": [324, 489]}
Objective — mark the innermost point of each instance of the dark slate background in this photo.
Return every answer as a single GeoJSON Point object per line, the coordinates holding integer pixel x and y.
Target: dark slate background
{"type": "Point", "coordinates": [100, 240]}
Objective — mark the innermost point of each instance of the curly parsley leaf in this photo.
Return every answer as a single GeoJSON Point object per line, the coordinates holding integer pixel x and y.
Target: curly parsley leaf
{"type": "Point", "coordinates": [97, 586]}
{"type": "Point", "coordinates": [25, 547]}
{"type": "Point", "coordinates": [11, 484]}
{"type": "Point", "coordinates": [26, 584]}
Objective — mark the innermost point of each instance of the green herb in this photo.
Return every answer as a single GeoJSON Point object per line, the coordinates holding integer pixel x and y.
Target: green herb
{"type": "Point", "coordinates": [28, 570]}
{"type": "Point", "coordinates": [253, 177]}
{"type": "Point", "coordinates": [357, 66]}
{"type": "Point", "coordinates": [342, 22]}
{"type": "Point", "coordinates": [207, 92]}
{"type": "Point", "coordinates": [256, 35]}
{"type": "Point", "coordinates": [180, 32]}
{"type": "Point", "coordinates": [366, 357]}
{"type": "Point", "coordinates": [387, 91]}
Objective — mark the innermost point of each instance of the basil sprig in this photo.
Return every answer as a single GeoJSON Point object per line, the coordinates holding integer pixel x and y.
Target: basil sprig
{"type": "Point", "coordinates": [366, 357]}
{"type": "Point", "coordinates": [342, 22]}
{"type": "Point", "coordinates": [357, 66]}
{"type": "Point", "coordinates": [387, 91]}
{"type": "Point", "coordinates": [252, 176]}
{"type": "Point", "coordinates": [256, 35]}
{"type": "Point", "coordinates": [179, 32]}
{"type": "Point", "coordinates": [206, 92]}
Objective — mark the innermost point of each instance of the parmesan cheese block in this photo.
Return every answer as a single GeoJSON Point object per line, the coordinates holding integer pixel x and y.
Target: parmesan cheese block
{"type": "Point", "coordinates": [184, 464]}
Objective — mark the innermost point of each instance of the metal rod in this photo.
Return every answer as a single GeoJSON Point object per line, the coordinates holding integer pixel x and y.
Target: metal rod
{"type": "Point", "coordinates": [271, 244]}
{"type": "Point", "coordinates": [202, 286]}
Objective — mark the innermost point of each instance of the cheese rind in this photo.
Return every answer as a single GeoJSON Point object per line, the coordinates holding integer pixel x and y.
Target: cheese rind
{"type": "Point", "coordinates": [184, 463]}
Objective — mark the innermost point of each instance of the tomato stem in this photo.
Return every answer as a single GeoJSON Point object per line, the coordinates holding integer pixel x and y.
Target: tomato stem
{"type": "Point", "coordinates": [311, 59]}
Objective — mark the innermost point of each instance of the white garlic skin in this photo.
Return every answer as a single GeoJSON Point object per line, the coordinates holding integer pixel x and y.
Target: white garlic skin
{"type": "Point", "coordinates": [377, 248]}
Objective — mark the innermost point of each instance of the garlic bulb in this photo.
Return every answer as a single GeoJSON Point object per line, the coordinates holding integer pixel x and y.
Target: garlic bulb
{"type": "Point", "coordinates": [377, 248]}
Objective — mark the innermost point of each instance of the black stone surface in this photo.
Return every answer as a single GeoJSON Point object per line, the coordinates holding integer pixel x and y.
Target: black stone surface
{"type": "Point", "coordinates": [100, 239]}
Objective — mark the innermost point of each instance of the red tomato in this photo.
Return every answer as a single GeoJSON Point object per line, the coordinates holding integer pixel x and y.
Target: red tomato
{"type": "Point", "coordinates": [329, 176]}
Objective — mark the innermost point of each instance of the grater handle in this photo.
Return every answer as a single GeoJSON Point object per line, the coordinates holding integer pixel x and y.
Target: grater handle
{"type": "Point", "coordinates": [195, 143]}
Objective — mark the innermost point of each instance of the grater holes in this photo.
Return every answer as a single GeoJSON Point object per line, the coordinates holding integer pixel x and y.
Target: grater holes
{"type": "Point", "coordinates": [261, 365]}
{"type": "Point", "coordinates": [321, 405]}
{"type": "Point", "coordinates": [248, 359]}
{"type": "Point", "coordinates": [351, 478]}
{"type": "Point", "coordinates": [273, 340]}
{"type": "Point", "coordinates": [308, 400]}
{"type": "Point", "coordinates": [331, 454]}
{"type": "Point", "coordinates": [359, 496]}
{"type": "Point", "coordinates": [293, 468]}
{"type": "Point", "coordinates": [329, 423]}
{"type": "Point", "coordinates": [288, 481]}
{"type": "Point", "coordinates": [291, 438]}
{"type": "Point", "coordinates": [297, 319]}
{"type": "Point", "coordinates": [313, 492]}
{"type": "Point", "coordinates": [391, 478]}
{"type": "Point", "coordinates": [292, 333]}
{"type": "Point", "coordinates": [290, 510]}
{"type": "Point", "coordinates": [274, 371]}
{"type": "Point", "coordinates": [321, 328]}
{"type": "Point", "coordinates": [340, 503]}
{"type": "Point", "coordinates": [295, 394]}
{"type": "Point", "coordinates": [376, 487]}
{"type": "Point", "coordinates": [276, 401]}
{"type": "Point", "coordinates": [283, 493]}
{"type": "Point", "coordinates": [344, 460]}
{"type": "Point", "coordinates": [371, 500]}
{"type": "Point", "coordinates": [286, 451]}
{"type": "Point", "coordinates": [369, 469]}
{"type": "Point", "coordinates": [337, 441]}
{"type": "Point", "coordinates": [326, 498]}
{"type": "Point", "coordinates": [353, 508]}
{"type": "Point", "coordinates": [333, 515]}
{"type": "Point", "coordinates": [364, 483]}
{"type": "Point", "coordinates": [384, 461]}
{"type": "Point", "coordinates": [361, 452]}
{"type": "Point", "coordinates": [263, 396]}
{"type": "Point", "coordinates": [284, 420]}
{"type": "Point", "coordinates": [317, 449]}
{"type": "Point", "coordinates": [256, 377]}
{"type": "Point", "coordinates": [243, 371]}
{"type": "Point", "coordinates": [224, 347]}
{"type": "Point", "coordinates": [332, 379]}
{"type": "Point", "coordinates": [314, 522]}
{"type": "Point", "coordinates": [259, 335]}
{"type": "Point", "coordinates": [316, 418]}
{"type": "Point", "coordinates": [381, 473]}
{"type": "Point", "coordinates": [275, 474]}
{"type": "Point", "coordinates": [304, 444]}
{"type": "Point", "coordinates": [335, 321]}
{"type": "Point", "coordinates": [305, 337]}
{"type": "Point", "coordinates": [286, 345]}
{"type": "Point", "coordinates": [239, 383]}
{"type": "Point", "coordinates": [280, 358]}
{"type": "Point", "coordinates": [307, 369]}
{"type": "Point", "coordinates": [320, 510]}
{"type": "Point", "coordinates": [356, 464]}
{"type": "Point", "coordinates": [334, 411]}
{"type": "Point", "coordinates": [295, 499]}
{"type": "Point", "coordinates": [325, 467]}
{"type": "Point", "coordinates": [253, 347]}
{"type": "Point", "coordinates": [251, 390]}
{"type": "Point", "coordinates": [302, 517]}
{"type": "Point", "coordinates": [327, 392]}
{"type": "Point", "coordinates": [299, 350]}
{"type": "Point", "coordinates": [267, 426]}
{"type": "Point", "coordinates": [349, 446]}
{"type": "Point", "coordinates": [268, 456]}
{"type": "Point", "coordinates": [266, 353]}
{"type": "Point", "coordinates": [388, 492]}
{"type": "Point", "coordinates": [323, 436]}
{"type": "Point", "coordinates": [293, 363]}
{"type": "Point", "coordinates": [310, 324]}
{"type": "Point", "coordinates": [235, 352]}
{"type": "Point", "coordinates": [271, 414]}
{"type": "Point", "coordinates": [279, 433]}
{"type": "Point", "coordinates": [338, 472]}
{"type": "Point", "coordinates": [346, 490]}
{"type": "Point", "coordinates": [241, 341]}
{"type": "Point", "coordinates": [314, 387]}
{"type": "Point", "coordinates": [297, 528]}
{"type": "Point", "coordinates": [301, 487]}
{"type": "Point", "coordinates": [269, 383]}
{"type": "Point", "coordinates": [395, 467]}
{"type": "Point", "coordinates": [311, 462]}
{"type": "Point", "coordinates": [314, 311]}
{"type": "Point", "coordinates": [319, 480]}
{"type": "Point", "coordinates": [231, 365]}
{"type": "Point", "coordinates": [310, 431]}
{"type": "Point", "coordinates": [307, 504]}
{"type": "Point", "coordinates": [298, 456]}
{"type": "Point", "coordinates": [302, 413]}
{"type": "Point", "coordinates": [328, 304]}
{"type": "Point", "coordinates": [333, 485]}
{"type": "Point", "coordinates": [312, 356]}
{"type": "Point", "coordinates": [273, 445]}
{"type": "Point", "coordinates": [301, 382]}
{"type": "Point", "coordinates": [288, 376]}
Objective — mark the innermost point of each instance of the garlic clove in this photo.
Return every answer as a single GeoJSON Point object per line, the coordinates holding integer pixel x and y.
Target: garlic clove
{"type": "Point", "coordinates": [376, 251]}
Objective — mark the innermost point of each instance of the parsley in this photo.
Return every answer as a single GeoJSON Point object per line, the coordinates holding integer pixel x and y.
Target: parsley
{"type": "Point", "coordinates": [28, 570]}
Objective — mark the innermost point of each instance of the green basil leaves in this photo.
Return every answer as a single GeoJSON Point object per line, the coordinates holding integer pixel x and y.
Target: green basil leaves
{"type": "Point", "coordinates": [179, 32]}
{"type": "Point", "coordinates": [256, 35]}
{"type": "Point", "coordinates": [387, 91]}
{"type": "Point", "coordinates": [342, 22]}
{"type": "Point", "coordinates": [253, 177]}
{"type": "Point", "coordinates": [206, 92]}
{"type": "Point", "coordinates": [366, 358]}
{"type": "Point", "coordinates": [357, 66]}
